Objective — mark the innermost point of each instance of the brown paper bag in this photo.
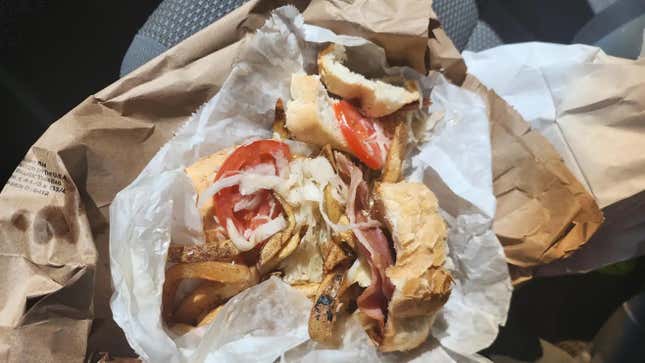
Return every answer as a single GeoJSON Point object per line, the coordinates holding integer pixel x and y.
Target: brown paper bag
{"type": "Point", "coordinates": [54, 210]}
{"type": "Point", "coordinates": [543, 212]}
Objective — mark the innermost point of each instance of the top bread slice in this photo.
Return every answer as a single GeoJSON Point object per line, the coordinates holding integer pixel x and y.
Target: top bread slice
{"type": "Point", "coordinates": [422, 285]}
{"type": "Point", "coordinates": [310, 114]}
{"type": "Point", "coordinates": [377, 98]}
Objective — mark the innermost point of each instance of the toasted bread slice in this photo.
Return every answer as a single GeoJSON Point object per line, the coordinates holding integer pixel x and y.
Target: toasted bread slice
{"type": "Point", "coordinates": [422, 285]}
{"type": "Point", "coordinates": [202, 174]}
{"type": "Point", "coordinates": [310, 114]}
{"type": "Point", "coordinates": [377, 98]}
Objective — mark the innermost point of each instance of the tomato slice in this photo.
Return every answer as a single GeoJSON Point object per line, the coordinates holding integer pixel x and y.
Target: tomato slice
{"type": "Point", "coordinates": [252, 154]}
{"type": "Point", "coordinates": [360, 133]}
{"type": "Point", "coordinates": [244, 157]}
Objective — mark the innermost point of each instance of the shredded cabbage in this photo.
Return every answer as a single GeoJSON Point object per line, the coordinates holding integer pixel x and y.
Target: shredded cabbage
{"type": "Point", "coordinates": [306, 183]}
{"type": "Point", "coordinates": [304, 190]}
{"type": "Point", "coordinates": [238, 240]}
{"type": "Point", "coordinates": [251, 183]}
{"type": "Point", "coordinates": [256, 236]}
{"type": "Point", "coordinates": [214, 188]}
{"type": "Point", "coordinates": [282, 163]}
{"type": "Point", "coordinates": [248, 202]}
{"type": "Point", "coordinates": [268, 229]}
{"type": "Point", "coordinates": [301, 148]}
{"type": "Point", "coordinates": [261, 176]}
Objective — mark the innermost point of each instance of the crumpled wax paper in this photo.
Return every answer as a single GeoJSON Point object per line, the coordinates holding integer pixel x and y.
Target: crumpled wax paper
{"type": "Point", "coordinates": [591, 107]}
{"type": "Point", "coordinates": [269, 321]}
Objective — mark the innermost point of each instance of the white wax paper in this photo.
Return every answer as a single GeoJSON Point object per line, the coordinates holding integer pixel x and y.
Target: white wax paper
{"type": "Point", "coordinates": [521, 74]}
{"type": "Point", "coordinates": [576, 95]}
{"type": "Point", "coordinates": [268, 322]}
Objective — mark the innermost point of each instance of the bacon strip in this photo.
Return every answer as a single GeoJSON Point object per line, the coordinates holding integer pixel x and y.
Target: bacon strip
{"type": "Point", "coordinates": [373, 244]}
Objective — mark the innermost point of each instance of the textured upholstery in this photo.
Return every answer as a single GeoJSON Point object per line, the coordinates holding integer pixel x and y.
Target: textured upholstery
{"type": "Point", "coordinates": [458, 18]}
{"type": "Point", "coordinates": [172, 22]}
{"type": "Point", "coordinates": [482, 37]}
{"type": "Point", "coordinates": [175, 20]}
{"type": "Point", "coordinates": [142, 49]}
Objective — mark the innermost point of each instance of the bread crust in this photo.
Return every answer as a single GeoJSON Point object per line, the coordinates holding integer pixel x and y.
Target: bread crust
{"type": "Point", "coordinates": [202, 174]}
{"type": "Point", "coordinates": [422, 285]}
{"type": "Point", "coordinates": [377, 98]}
{"type": "Point", "coordinates": [310, 116]}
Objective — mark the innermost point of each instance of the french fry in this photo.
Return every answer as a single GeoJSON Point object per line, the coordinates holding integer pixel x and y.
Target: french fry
{"type": "Point", "coordinates": [203, 298]}
{"type": "Point", "coordinates": [333, 208]}
{"type": "Point", "coordinates": [393, 167]}
{"type": "Point", "coordinates": [336, 213]}
{"type": "Point", "coordinates": [288, 249]}
{"type": "Point", "coordinates": [291, 246]}
{"type": "Point", "coordinates": [277, 242]}
{"type": "Point", "coordinates": [323, 316]}
{"type": "Point", "coordinates": [224, 272]}
{"type": "Point", "coordinates": [280, 121]}
{"type": "Point", "coordinates": [210, 316]}
{"type": "Point", "coordinates": [308, 289]}
{"type": "Point", "coordinates": [194, 304]}
{"type": "Point", "coordinates": [181, 328]}
{"type": "Point", "coordinates": [335, 255]}
{"type": "Point", "coordinates": [345, 238]}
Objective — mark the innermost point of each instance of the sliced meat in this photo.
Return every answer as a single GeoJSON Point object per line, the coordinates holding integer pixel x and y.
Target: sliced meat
{"type": "Point", "coordinates": [373, 244]}
{"type": "Point", "coordinates": [372, 302]}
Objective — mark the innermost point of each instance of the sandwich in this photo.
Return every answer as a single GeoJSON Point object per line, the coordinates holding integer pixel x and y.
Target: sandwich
{"type": "Point", "coordinates": [322, 206]}
{"type": "Point", "coordinates": [421, 284]}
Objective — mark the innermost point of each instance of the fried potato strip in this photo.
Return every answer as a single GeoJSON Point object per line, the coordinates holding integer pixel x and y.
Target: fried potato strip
{"type": "Point", "coordinates": [333, 208]}
{"type": "Point", "coordinates": [223, 272]}
{"type": "Point", "coordinates": [280, 121]}
{"type": "Point", "coordinates": [393, 168]}
{"type": "Point", "coordinates": [324, 313]}
{"type": "Point", "coordinates": [278, 241]}
{"type": "Point", "coordinates": [335, 255]}
{"type": "Point", "coordinates": [206, 296]}
{"type": "Point", "coordinates": [210, 316]}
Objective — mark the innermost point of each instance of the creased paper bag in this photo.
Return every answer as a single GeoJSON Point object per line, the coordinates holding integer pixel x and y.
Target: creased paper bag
{"type": "Point", "coordinates": [103, 144]}
{"type": "Point", "coordinates": [543, 212]}
{"type": "Point", "coordinates": [591, 107]}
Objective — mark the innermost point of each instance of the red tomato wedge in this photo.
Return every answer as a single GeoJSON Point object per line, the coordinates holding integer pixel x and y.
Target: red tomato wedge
{"type": "Point", "coordinates": [361, 134]}
{"type": "Point", "coordinates": [244, 157]}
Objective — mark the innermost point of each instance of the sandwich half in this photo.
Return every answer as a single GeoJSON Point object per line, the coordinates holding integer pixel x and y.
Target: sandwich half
{"type": "Point", "coordinates": [421, 284]}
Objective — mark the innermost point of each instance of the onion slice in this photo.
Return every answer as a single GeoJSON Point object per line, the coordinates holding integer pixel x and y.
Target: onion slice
{"type": "Point", "coordinates": [258, 235]}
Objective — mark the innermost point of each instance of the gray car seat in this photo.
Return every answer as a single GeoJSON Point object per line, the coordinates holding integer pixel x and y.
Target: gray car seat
{"type": "Point", "coordinates": [175, 20]}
